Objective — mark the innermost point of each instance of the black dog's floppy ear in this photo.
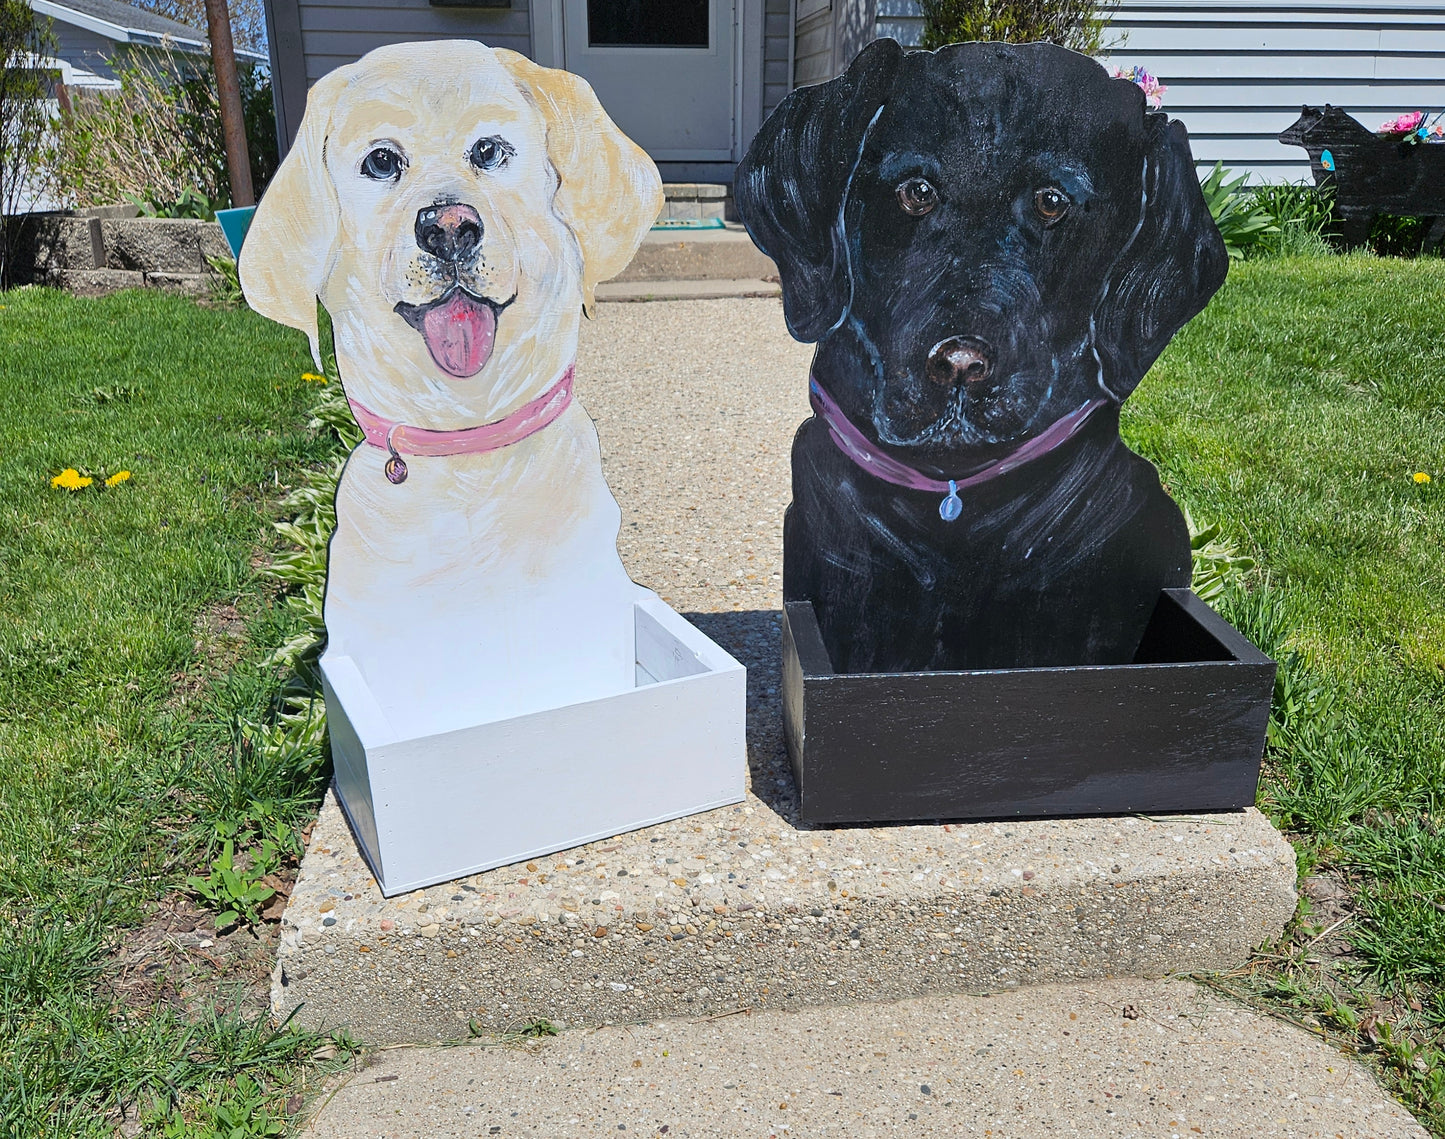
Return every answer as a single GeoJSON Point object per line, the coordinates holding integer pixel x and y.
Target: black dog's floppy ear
{"type": "Point", "coordinates": [790, 187]}
{"type": "Point", "coordinates": [1173, 264]}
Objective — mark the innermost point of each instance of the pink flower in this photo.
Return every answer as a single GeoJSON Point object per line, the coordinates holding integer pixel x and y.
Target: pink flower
{"type": "Point", "coordinates": [1404, 124]}
{"type": "Point", "coordinates": [1152, 88]}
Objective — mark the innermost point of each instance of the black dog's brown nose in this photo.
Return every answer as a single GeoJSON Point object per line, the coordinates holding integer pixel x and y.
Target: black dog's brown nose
{"type": "Point", "coordinates": [960, 359]}
{"type": "Point", "coordinates": [449, 232]}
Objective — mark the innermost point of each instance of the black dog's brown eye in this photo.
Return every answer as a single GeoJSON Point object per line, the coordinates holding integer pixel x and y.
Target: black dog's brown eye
{"type": "Point", "coordinates": [917, 196]}
{"type": "Point", "coordinates": [1051, 203]}
{"type": "Point", "coordinates": [383, 165]}
{"type": "Point", "coordinates": [489, 153]}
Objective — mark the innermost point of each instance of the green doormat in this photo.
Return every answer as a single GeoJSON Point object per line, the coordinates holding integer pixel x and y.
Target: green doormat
{"type": "Point", "coordinates": [689, 223]}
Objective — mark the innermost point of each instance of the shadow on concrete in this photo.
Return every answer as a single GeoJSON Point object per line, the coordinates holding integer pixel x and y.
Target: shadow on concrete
{"type": "Point", "coordinates": [754, 637]}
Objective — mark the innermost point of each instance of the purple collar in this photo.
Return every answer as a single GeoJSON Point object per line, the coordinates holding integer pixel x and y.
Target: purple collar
{"type": "Point", "coordinates": [866, 455]}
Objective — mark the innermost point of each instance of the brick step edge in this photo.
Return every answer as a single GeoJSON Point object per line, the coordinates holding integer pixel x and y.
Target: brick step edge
{"type": "Point", "coordinates": [701, 290]}
{"type": "Point", "coordinates": [99, 282]}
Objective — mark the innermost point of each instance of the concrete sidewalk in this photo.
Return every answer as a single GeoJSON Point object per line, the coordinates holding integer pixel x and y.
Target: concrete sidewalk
{"type": "Point", "coordinates": [696, 403]}
{"type": "Point", "coordinates": [1129, 1057]}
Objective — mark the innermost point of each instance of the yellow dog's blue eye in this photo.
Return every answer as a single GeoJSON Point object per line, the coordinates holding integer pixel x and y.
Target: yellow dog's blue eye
{"type": "Point", "coordinates": [490, 152]}
{"type": "Point", "coordinates": [383, 165]}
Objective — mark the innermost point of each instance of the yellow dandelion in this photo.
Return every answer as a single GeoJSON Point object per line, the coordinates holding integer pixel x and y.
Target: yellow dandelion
{"type": "Point", "coordinates": [71, 479]}
{"type": "Point", "coordinates": [117, 478]}
{"type": "Point", "coordinates": [1420, 477]}
{"type": "Point", "coordinates": [313, 378]}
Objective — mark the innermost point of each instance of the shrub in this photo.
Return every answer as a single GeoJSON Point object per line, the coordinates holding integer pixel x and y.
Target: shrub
{"type": "Point", "coordinates": [1076, 24]}
{"type": "Point", "coordinates": [1394, 236]}
{"type": "Point", "coordinates": [157, 139]}
{"type": "Point", "coordinates": [1304, 215]}
{"type": "Point", "coordinates": [24, 120]}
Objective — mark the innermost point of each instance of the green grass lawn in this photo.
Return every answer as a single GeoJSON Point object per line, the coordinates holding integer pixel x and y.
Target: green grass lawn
{"type": "Point", "coordinates": [1299, 410]}
{"type": "Point", "coordinates": [122, 676]}
{"type": "Point", "coordinates": [1295, 412]}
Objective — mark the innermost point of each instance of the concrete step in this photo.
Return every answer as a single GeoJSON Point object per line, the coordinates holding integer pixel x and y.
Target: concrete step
{"type": "Point", "coordinates": [1120, 1057]}
{"type": "Point", "coordinates": [703, 254]}
{"type": "Point", "coordinates": [707, 289]}
{"type": "Point", "coordinates": [738, 908]}
{"type": "Point", "coordinates": [694, 200]}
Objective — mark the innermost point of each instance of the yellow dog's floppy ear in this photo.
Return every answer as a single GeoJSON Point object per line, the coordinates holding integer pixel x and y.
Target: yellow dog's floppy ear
{"type": "Point", "coordinates": [288, 250]}
{"type": "Point", "coordinates": [610, 191]}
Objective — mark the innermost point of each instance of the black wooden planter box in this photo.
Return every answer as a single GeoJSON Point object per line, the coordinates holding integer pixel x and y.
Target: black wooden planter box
{"type": "Point", "coordinates": [1180, 729]}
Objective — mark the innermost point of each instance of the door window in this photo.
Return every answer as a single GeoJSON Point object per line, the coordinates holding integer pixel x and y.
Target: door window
{"type": "Point", "coordinates": [647, 23]}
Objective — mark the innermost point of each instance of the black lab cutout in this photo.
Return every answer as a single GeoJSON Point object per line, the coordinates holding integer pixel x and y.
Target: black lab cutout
{"type": "Point", "coordinates": [990, 245]}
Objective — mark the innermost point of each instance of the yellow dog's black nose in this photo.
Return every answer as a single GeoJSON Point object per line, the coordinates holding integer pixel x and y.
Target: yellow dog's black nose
{"type": "Point", "coordinates": [450, 232]}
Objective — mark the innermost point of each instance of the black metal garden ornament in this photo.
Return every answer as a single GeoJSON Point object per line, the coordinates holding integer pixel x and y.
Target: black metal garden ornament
{"type": "Point", "coordinates": [990, 244]}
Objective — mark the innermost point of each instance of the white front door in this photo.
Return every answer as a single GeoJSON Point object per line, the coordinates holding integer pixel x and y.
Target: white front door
{"type": "Point", "coordinates": [663, 69]}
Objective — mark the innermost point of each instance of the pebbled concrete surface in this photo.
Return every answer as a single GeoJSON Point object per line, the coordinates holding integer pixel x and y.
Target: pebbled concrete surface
{"type": "Point", "coordinates": [736, 907]}
{"type": "Point", "coordinates": [696, 404]}
{"type": "Point", "coordinates": [1045, 1061]}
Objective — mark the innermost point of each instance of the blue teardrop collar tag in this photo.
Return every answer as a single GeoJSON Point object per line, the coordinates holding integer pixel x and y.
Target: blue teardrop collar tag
{"type": "Point", "coordinates": [1327, 160]}
{"type": "Point", "coordinates": [952, 506]}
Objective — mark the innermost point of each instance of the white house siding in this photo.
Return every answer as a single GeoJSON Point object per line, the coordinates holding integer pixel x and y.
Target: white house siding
{"type": "Point", "coordinates": [901, 20]}
{"type": "Point", "coordinates": [1238, 72]}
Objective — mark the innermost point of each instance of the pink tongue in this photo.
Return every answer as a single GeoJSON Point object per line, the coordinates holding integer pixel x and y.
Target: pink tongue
{"type": "Point", "coordinates": [459, 334]}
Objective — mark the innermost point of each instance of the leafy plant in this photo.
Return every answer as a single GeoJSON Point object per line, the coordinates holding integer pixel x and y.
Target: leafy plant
{"type": "Point", "coordinates": [236, 894]}
{"type": "Point", "coordinates": [1076, 24]}
{"type": "Point", "coordinates": [1242, 221]}
{"type": "Point", "coordinates": [1394, 236]}
{"type": "Point", "coordinates": [1217, 564]}
{"type": "Point", "coordinates": [238, 1112]}
{"type": "Point", "coordinates": [190, 203]}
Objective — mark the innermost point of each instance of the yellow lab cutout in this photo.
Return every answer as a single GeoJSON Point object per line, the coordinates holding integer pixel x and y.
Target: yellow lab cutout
{"type": "Point", "coordinates": [453, 207]}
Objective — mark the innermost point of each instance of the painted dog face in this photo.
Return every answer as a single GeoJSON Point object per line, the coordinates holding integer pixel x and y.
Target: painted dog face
{"type": "Point", "coordinates": [999, 233]}
{"type": "Point", "coordinates": [453, 207]}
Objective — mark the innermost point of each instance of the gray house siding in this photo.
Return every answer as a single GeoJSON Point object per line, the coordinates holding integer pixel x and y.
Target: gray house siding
{"type": "Point", "coordinates": [830, 33]}
{"type": "Point", "coordinates": [84, 49]}
{"type": "Point", "coordinates": [777, 52]}
{"type": "Point", "coordinates": [339, 33]}
{"type": "Point", "coordinates": [1237, 72]}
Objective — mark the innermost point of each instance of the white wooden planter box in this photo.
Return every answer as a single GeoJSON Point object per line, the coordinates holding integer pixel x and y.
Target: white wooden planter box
{"type": "Point", "coordinates": [438, 807]}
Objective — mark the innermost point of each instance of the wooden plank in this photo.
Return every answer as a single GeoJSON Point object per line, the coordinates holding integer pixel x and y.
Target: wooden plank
{"type": "Point", "coordinates": [1163, 736]}
{"type": "Point", "coordinates": [288, 68]}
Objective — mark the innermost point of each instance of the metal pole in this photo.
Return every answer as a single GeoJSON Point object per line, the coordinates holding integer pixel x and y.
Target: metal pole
{"type": "Point", "coordinates": [228, 91]}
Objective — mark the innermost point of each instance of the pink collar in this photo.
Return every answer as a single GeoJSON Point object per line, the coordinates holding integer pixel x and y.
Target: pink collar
{"type": "Point", "coordinates": [866, 455]}
{"type": "Point", "coordinates": [401, 439]}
